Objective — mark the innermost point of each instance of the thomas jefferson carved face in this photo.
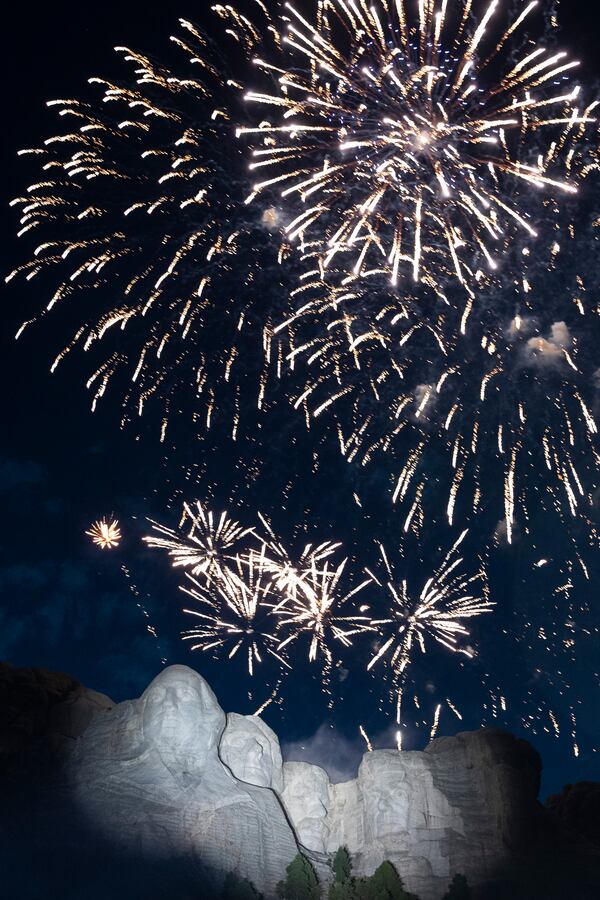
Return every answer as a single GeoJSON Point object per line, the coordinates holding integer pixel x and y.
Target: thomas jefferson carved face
{"type": "Point", "coordinates": [181, 716]}
{"type": "Point", "coordinates": [251, 751]}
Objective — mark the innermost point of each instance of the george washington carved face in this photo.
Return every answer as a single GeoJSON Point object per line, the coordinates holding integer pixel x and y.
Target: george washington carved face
{"type": "Point", "coordinates": [181, 716]}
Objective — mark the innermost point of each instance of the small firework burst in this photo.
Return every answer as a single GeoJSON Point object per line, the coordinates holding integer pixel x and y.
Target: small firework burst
{"type": "Point", "coordinates": [316, 609]}
{"type": "Point", "coordinates": [288, 575]}
{"type": "Point", "coordinates": [105, 533]}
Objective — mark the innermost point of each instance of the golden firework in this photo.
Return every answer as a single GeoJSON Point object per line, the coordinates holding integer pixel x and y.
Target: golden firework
{"type": "Point", "coordinates": [105, 533]}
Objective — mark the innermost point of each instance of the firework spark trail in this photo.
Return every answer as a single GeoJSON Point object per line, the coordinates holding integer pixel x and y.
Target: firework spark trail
{"type": "Point", "coordinates": [316, 610]}
{"type": "Point", "coordinates": [206, 547]}
{"type": "Point", "coordinates": [551, 637]}
{"type": "Point", "coordinates": [144, 239]}
{"type": "Point", "coordinates": [397, 139]}
{"type": "Point", "coordinates": [513, 396]}
{"type": "Point", "coordinates": [448, 597]}
{"type": "Point", "coordinates": [289, 574]}
{"type": "Point", "coordinates": [236, 613]}
{"type": "Point", "coordinates": [105, 533]}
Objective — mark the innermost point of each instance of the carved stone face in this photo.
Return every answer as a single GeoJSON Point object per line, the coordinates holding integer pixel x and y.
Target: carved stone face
{"type": "Point", "coordinates": [306, 799]}
{"type": "Point", "coordinates": [251, 750]}
{"type": "Point", "coordinates": [181, 716]}
{"type": "Point", "coordinates": [386, 794]}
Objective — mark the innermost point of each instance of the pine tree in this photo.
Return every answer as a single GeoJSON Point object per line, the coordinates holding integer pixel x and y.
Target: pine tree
{"type": "Point", "coordinates": [459, 889]}
{"type": "Point", "coordinates": [343, 885]}
{"type": "Point", "coordinates": [384, 884]}
{"type": "Point", "coordinates": [301, 882]}
{"type": "Point", "coordinates": [342, 865]}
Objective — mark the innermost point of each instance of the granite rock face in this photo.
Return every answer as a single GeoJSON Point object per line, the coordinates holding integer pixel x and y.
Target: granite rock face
{"type": "Point", "coordinates": [460, 806]}
{"type": "Point", "coordinates": [160, 797]}
{"type": "Point", "coordinates": [148, 774]}
{"type": "Point", "coordinates": [463, 805]}
{"type": "Point", "coordinates": [43, 709]}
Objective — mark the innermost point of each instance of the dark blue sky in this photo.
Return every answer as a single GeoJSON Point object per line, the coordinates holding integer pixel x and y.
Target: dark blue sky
{"type": "Point", "coordinates": [67, 606]}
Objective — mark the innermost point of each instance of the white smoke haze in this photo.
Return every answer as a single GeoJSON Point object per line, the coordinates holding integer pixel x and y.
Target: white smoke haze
{"type": "Point", "coordinates": [271, 218]}
{"type": "Point", "coordinates": [339, 755]}
{"type": "Point", "coordinates": [561, 334]}
{"type": "Point", "coordinates": [550, 349]}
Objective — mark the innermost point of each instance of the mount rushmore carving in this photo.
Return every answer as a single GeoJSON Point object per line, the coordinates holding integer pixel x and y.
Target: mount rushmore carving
{"type": "Point", "coordinates": [169, 782]}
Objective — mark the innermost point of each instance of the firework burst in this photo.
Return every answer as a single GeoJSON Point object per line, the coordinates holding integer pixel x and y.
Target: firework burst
{"type": "Point", "coordinates": [288, 575]}
{"type": "Point", "coordinates": [145, 248]}
{"type": "Point", "coordinates": [105, 533]}
{"type": "Point", "coordinates": [315, 610]}
{"type": "Point", "coordinates": [238, 615]}
{"type": "Point", "coordinates": [447, 599]}
{"type": "Point", "coordinates": [206, 545]}
{"type": "Point", "coordinates": [400, 136]}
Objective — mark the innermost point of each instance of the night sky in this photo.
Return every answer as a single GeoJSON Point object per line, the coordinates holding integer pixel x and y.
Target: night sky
{"type": "Point", "coordinates": [113, 619]}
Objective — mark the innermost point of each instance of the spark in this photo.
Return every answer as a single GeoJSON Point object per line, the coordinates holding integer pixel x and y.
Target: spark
{"type": "Point", "coordinates": [365, 737]}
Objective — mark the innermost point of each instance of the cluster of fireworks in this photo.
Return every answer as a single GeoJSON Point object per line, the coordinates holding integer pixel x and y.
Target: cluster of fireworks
{"type": "Point", "coordinates": [400, 147]}
{"type": "Point", "coordinates": [367, 218]}
{"type": "Point", "coordinates": [253, 597]}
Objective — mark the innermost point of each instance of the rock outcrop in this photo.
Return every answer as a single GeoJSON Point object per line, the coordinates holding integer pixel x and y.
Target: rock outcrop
{"type": "Point", "coordinates": [577, 807]}
{"type": "Point", "coordinates": [44, 709]}
{"type": "Point", "coordinates": [149, 772]}
{"type": "Point", "coordinates": [160, 797]}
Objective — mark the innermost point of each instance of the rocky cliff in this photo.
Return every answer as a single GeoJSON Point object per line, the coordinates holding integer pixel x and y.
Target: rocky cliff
{"type": "Point", "coordinates": [161, 796]}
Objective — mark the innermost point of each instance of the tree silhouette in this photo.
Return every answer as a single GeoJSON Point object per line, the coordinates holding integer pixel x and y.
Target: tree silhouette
{"type": "Point", "coordinates": [384, 884]}
{"type": "Point", "coordinates": [301, 882]}
{"type": "Point", "coordinates": [343, 884]}
{"type": "Point", "coordinates": [458, 889]}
